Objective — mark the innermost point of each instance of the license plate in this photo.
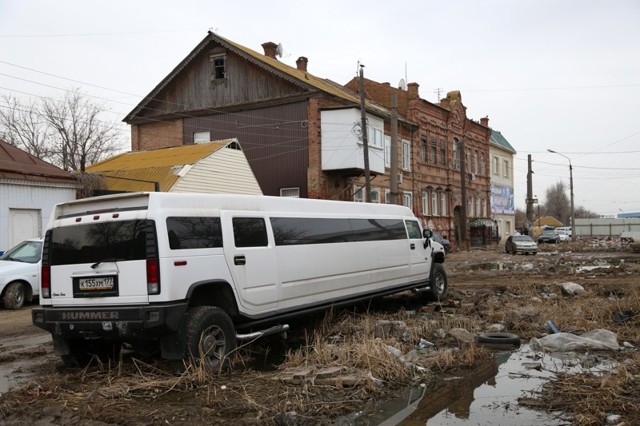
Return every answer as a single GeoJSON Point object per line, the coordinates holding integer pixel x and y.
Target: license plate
{"type": "Point", "coordinates": [96, 284]}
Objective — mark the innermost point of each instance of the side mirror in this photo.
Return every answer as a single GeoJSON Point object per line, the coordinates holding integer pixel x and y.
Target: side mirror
{"type": "Point", "coordinates": [427, 234]}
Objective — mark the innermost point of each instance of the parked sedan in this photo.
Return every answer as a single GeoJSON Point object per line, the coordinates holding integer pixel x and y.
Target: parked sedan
{"type": "Point", "coordinates": [442, 240]}
{"type": "Point", "coordinates": [549, 236]}
{"type": "Point", "coordinates": [20, 273]}
{"type": "Point", "coordinates": [522, 244]}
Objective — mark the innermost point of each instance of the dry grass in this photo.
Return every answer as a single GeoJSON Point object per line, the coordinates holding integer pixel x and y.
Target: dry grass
{"type": "Point", "coordinates": [590, 398]}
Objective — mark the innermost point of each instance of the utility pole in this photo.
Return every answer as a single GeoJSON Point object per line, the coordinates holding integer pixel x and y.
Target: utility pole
{"type": "Point", "coordinates": [365, 140]}
{"type": "Point", "coordinates": [463, 191]}
{"type": "Point", "coordinates": [529, 195]}
{"type": "Point", "coordinates": [393, 192]}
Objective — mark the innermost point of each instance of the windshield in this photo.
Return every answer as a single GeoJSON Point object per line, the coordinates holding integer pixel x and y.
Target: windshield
{"type": "Point", "coordinates": [26, 251]}
{"type": "Point", "coordinates": [522, 238]}
{"type": "Point", "coordinates": [99, 242]}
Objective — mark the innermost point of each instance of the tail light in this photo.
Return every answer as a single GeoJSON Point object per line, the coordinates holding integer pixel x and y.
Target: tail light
{"type": "Point", "coordinates": [153, 276]}
{"type": "Point", "coordinates": [45, 282]}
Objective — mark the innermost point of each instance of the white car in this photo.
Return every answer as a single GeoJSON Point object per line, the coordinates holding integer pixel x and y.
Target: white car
{"type": "Point", "coordinates": [20, 273]}
{"type": "Point", "coordinates": [564, 234]}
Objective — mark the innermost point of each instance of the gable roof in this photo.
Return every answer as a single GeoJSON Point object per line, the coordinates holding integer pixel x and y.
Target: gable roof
{"type": "Point", "coordinates": [20, 165]}
{"type": "Point", "coordinates": [500, 141]}
{"type": "Point", "coordinates": [139, 170]}
{"type": "Point", "coordinates": [293, 75]}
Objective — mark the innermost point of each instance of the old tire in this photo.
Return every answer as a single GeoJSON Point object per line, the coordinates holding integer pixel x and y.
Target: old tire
{"type": "Point", "coordinates": [14, 296]}
{"type": "Point", "coordinates": [209, 337]}
{"type": "Point", "coordinates": [499, 339]}
{"type": "Point", "coordinates": [438, 286]}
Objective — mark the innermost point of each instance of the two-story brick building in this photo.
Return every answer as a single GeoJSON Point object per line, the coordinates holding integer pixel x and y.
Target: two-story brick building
{"type": "Point", "coordinates": [302, 134]}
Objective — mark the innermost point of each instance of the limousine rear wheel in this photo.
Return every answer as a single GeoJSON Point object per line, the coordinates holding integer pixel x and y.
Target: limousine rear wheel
{"type": "Point", "coordinates": [210, 337]}
{"type": "Point", "coordinates": [439, 284]}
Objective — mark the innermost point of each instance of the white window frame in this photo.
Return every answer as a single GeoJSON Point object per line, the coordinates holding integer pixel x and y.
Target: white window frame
{"type": "Point", "coordinates": [358, 194]}
{"type": "Point", "coordinates": [407, 199]}
{"type": "Point", "coordinates": [505, 167]}
{"type": "Point", "coordinates": [387, 196]}
{"type": "Point", "coordinates": [496, 166]}
{"type": "Point", "coordinates": [426, 200]}
{"type": "Point", "coordinates": [387, 151]}
{"type": "Point", "coordinates": [375, 137]}
{"type": "Point", "coordinates": [375, 195]}
{"type": "Point", "coordinates": [406, 155]}
{"type": "Point", "coordinates": [443, 203]}
{"type": "Point", "coordinates": [201, 137]}
{"type": "Point", "coordinates": [434, 203]}
{"type": "Point", "coordinates": [293, 192]}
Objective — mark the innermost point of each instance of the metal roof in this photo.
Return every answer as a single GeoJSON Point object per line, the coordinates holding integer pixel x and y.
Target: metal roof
{"type": "Point", "coordinates": [498, 140]}
{"type": "Point", "coordinates": [139, 170]}
{"type": "Point", "coordinates": [289, 73]}
{"type": "Point", "coordinates": [20, 165]}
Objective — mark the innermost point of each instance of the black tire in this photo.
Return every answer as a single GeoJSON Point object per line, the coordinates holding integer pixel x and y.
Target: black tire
{"type": "Point", "coordinates": [14, 296]}
{"type": "Point", "coordinates": [499, 339]}
{"type": "Point", "coordinates": [209, 337]}
{"type": "Point", "coordinates": [438, 286]}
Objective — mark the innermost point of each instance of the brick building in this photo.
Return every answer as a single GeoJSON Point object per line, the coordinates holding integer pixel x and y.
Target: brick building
{"type": "Point", "coordinates": [301, 134]}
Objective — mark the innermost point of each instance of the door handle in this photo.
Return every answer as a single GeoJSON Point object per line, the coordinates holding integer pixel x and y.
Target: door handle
{"type": "Point", "coordinates": [239, 260]}
{"type": "Point", "coordinates": [413, 246]}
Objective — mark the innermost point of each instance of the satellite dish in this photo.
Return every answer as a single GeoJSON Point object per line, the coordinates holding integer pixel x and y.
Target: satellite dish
{"type": "Point", "coordinates": [402, 85]}
{"type": "Point", "coordinates": [279, 50]}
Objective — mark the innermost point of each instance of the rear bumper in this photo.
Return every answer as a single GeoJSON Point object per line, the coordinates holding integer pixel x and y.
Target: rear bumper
{"type": "Point", "coordinates": [111, 322]}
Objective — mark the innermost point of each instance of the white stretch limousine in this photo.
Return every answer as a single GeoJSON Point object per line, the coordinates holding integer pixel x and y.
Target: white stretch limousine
{"type": "Point", "coordinates": [186, 271]}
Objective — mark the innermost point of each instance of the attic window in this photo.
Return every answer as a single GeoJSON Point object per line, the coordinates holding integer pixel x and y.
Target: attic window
{"type": "Point", "coordinates": [218, 67]}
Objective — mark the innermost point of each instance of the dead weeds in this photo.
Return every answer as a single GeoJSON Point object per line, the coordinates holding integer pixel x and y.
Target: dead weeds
{"type": "Point", "coordinates": [351, 360]}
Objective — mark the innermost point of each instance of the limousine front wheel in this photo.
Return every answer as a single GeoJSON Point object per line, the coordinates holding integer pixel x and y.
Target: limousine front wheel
{"type": "Point", "coordinates": [210, 337]}
{"type": "Point", "coordinates": [439, 286]}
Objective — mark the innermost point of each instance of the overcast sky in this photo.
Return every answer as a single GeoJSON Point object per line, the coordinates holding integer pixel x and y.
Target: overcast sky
{"type": "Point", "coordinates": [550, 74]}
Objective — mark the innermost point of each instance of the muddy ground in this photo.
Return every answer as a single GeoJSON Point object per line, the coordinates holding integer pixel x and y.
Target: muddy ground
{"type": "Point", "coordinates": [350, 361]}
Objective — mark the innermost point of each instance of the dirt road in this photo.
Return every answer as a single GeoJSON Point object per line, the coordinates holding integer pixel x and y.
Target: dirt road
{"type": "Point", "coordinates": [486, 287]}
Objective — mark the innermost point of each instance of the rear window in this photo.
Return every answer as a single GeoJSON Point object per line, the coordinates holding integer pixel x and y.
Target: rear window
{"type": "Point", "coordinates": [94, 242]}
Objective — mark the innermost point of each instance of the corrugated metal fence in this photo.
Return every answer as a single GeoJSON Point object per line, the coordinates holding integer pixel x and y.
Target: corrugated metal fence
{"type": "Point", "coordinates": [606, 227]}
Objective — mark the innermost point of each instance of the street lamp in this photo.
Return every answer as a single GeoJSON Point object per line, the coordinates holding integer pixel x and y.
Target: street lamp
{"type": "Point", "coordinates": [573, 219]}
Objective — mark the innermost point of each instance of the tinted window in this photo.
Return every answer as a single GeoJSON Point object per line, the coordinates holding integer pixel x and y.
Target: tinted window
{"type": "Point", "coordinates": [299, 230]}
{"type": "Point", "coordinates": [115, 241]}
{"type": "Point", "coordinates": [249, 232]}
{"type": "Point", "coordinates": [194, 232]}
{"type": "Point", "coordinates": [377, 229]}
{"type": "Point", "coordinates": [296, 230]}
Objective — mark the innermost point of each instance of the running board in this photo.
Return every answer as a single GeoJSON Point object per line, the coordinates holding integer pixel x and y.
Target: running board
{"type": "Point", "coordinates": [257, 334]}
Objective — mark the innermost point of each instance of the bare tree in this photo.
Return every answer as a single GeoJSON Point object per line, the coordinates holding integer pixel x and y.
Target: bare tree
{"type": "Point", "coordinates": [582, 213]}
{"type": "Point", "coordinates": [82, 138]}
{"type": "Point", "coordinates": [22, 126]}
{"type": "Point", "coordinates": [67, 132]}
{"type": "Point", "coordinates": [558, 204]}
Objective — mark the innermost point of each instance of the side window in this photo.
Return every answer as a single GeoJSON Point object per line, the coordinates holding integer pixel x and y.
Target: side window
{"type": "Point", "coordinates": [249, 232]}
{"type": "Point", "coordinates": [194, 232]}
{"type": "Point", "coordinates": [413, 229]}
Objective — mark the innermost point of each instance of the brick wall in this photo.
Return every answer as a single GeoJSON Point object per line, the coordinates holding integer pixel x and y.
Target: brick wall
{"type": "Point", "coordinates": [156, 135]}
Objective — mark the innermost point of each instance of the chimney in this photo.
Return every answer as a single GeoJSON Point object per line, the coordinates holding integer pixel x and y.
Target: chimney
{"type": "Point", "coordinates": [412, 88]}
{"type": "Point", "coordinates": [270, 49]}
{"type": "Point", "coordinates": [485, 121]}
{"type": "Point", "coordinates": [301, 63]}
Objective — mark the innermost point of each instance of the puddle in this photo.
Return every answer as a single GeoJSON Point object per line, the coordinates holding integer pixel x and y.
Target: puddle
{"type": "Point", "coordinates": [487, 395]}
